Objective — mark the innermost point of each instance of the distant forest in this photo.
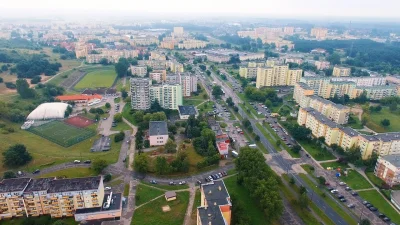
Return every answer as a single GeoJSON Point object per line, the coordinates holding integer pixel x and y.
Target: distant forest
{"type": "Point", "coordinates": [379, 57]}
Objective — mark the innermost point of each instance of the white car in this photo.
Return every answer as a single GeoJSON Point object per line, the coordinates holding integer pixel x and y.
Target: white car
{"type": "Point", "coordinates": [77, 161]}
{"type": "Point", "coordinates": [107, 188]}
{"type": "Point", "coordinates": [334, 191]}
{"type": "Point", "coordinates": [342, 183]}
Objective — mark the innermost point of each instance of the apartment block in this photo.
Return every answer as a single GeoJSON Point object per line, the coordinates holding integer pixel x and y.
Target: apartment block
{"type": "Point", "coordinates": [158, 75]}
{"type": "Point", "coordinates": [140, 71]}
{"type": "Point", "coordinates": [321, 126]}
{"type": "Point", "coordinates": [178, 32]}
{"type": "Point", "coordinates": [319, 33]}
{"type": "Point", "coordinates": [175, 66]}
{"type": "Point", "coordinates": [155, 64]}
{"type": "Point", "coordinates": [301, 92]}
{"type": "Point", "coordinates": [167, 44]}
{"type": "Point", "coordinates": [49, 196]}
{"type": "Point", "coordinates": [168, 95]}
{"type": "Point", "coordinates": [339, 71]}
{"type": "Point", "coordinates": [278, 75]}
{"type": "Point", "coordinates": [157, 56]}
{"type": "Point", "coordinates": [112, 56]}
{"type": "Point", "coordinates": [192, 44]}
{"type": "Point", "coordinates": [321, 65]}
{"type": "Point", "coordinates": [189, 84]}
{"type": "Point", "coordinates": [248, 72]}
{"type": "Point", "coordinates": [215, 204]}
{"type": "Point", "coordinates": [140, 93]}
{"type": "Point", "coordinates": [388, 169]}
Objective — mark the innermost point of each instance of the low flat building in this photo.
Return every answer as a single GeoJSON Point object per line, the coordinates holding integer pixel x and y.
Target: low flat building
{"type": "Point", "coordinates": [215, 205]}
{"type": "Point", "coordinates": [158, 133]}
{"type": "Point", "coordinates": [110, 209]}
{"type": "Point", "coordinates": [187, 110]}
{"type": "Point", "coordinates": [388, 169]}
{"type": "Point", "coordinates": [170, 195]}
{"type": "Point", "coordinates": [79, 98]}
{"type": "Point", "coordinates": [223, 149]}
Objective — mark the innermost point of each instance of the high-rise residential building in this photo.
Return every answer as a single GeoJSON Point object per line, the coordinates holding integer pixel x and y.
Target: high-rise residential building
{"type": "Point", "coordinates": [140, 93]}
{"type": "Point", "coordinates": [168, 95]}
{"type": "Point", "coordinates": [55, 197]}
{"type": "Point", "coordinates": [319, 33]}
{"type": "Point", "coordinates": [277, 75]}
{"type": "Point", "coordinates": [140, 71]}
{"type": "Point", "coordinates": [215, 205]}
{"type": "Point", "coordinates": [339, 71]}
{"type": "Point", "coordinates": [189, 84]}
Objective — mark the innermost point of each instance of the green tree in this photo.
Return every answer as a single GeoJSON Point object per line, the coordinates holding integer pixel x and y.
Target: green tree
{"type": "Point", "coordinates": [170, 146]}
{"type": "Point", "coordinates": [296, 149]}
{"type": "Point", "coordinates": [292, 180]}
{"type": "Point", "coordinates": [118, 117]}
{"type": "Point", "coordinates": [121, 68]}
{"type": "Point", "coordinates": [217, 91]}
{"type": "Point", "coordinates": [365, 222]}
{"type": "Point", "coordinates": [257, 138]}
{"type": "Point", "coordinates": [162, 166]}
{"type": "Point", "coordinates": [108, 105]}
{"type": "Point", "coordinates": [393, 107]}
{"type": "Point", "coordinates": [9, 174]}
{"type": "Point", "coordinates": [124, 93]}
{"type": "Point", "coordinates": [16, 155]}
{"type": "Point", "coordinates": [107, 177]}
{"type": "Point", "coordinates": [60, 222]}
{"type": "Point", "coordinates": [303, 200]}
{"type": "Point", "coordinates": [385, 122]}
{"type": "Point", "coordinates": [141, 163]}
{"type": "Point", "coordinates": [321, 180]}
{"type": "Point", "coordinates": [208, 73]}
{"type": "Point", "coordinates": [23, 89]}
{"type": "Point", "coordinates": [99, 165]}
{"type": "Point", "coordinates": [119, 137]}
{"type": "Point", "coordinates": [278, 143]}
{"type": "Point", "coordinates": [334, 59]}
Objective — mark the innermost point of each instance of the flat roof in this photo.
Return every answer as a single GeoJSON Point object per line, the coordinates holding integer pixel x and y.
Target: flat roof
{"type": "Point", "coordinates": [13, 184]}
{"type": "Point", "coordinates": [393, 159]}
{"type": "Point", "coordinates": [323, 119]}
{"type": "Point", "coordinates": [75, 184]}
{"type": "Point", "coordinates": [158, 128]}
{"type": "Point", "coordinates": [115, 204]}
{"type": "Point", "coordinates": [187, 110]}
{"type": "Point", "coordinates": [40, 184]}
{"type": "Point", "coordinates": [349, 131]}
{"type": "Point", "coordinates": [78, 97]}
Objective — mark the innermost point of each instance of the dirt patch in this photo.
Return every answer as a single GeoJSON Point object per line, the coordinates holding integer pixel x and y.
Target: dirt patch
{"type": "Point", "coordinates": [166, 208]}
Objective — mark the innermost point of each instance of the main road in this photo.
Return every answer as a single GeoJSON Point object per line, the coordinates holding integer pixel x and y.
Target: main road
{"type": "Point", "coordinates": [283, 163]}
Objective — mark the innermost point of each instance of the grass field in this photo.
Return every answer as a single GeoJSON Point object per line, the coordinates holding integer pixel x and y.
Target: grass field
{"type": "Point", "coordinates": [121, 126]}
{"type": "Point", "coordinates": [99, 78]}
{"type": "Point", "coordinates": [374, 121]}
{"type": "Point", "coordinates": [152, 212]}
{"type": "Point", "coordinates": [355, 180]}
{"type": "Point", "coordinates": [71, 173]}
{"type": "Point", "coordinates": [196, 203]}
{"type": "Point", "coordinates": [334, 165]}
{"type": "Point", "coordinates": [145, 194]}
{"type": "Point", "coordinates": [356, 124]}
{"type": "Point", "coordinates": [169, 187]}
{"type": "Point", "coordinates": [380, 203]}
{"type": "Point", "coordinates": [374, 179]}
{"type": "Point", "coordinates": [62, 133]}
{"type": "Point", "coordinates": [46, 153]}
{"type": "Point", "coordinates": [315, 152]}
{"type": "Point", "coordinates": [243, 196]}
{"type": "Point", "coordinates": [126, 190]}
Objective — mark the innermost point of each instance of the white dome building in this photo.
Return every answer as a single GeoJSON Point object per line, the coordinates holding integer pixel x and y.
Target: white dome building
{"type": "Point", "coordinates": [46, 111]}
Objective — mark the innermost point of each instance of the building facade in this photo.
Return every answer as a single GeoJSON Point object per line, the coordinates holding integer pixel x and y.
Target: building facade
{"type": "Point", "coordinates": [140, 93]}
{"type": "Point", "coordinates": [388, 169]}
{"type": "Point", "coordinates": [140, 71]}
{"type": "Point", "coordinates": [158, 133]}
{"type": "Point", "coordinates": [168, 95]}
{"type": "Point", "coordinates": [339, 71]}
{"type": "Point", "coordinates": [277, 75]}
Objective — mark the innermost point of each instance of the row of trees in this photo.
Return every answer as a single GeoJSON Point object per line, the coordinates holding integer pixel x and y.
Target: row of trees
{"type": "Point", "coordinates": [260, 181]}
{"type": "Point", "coordinates": [266, 95]}
{"type": "Point", "coordinates": [36, 65]}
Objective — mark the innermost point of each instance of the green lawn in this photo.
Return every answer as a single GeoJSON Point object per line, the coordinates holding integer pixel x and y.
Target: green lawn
{"type": "Point", "coordinates": [194, 102]}
{"type": "Point", "coordinates": [126, 190]}
{"type": "Point", "coordinates": [334, 165]}
{"type": "Point", "coordinates": [356, 124]}
{"type": "Point", "coordinates": [316, 152]}
{"type": "Point", "coordinates": [333, 204]}
{"type": "Point", "coordinates": [374, 179]}
{"type": "Point", "coordinates": [374, 121]}
{"type": "Point", "coordinates": [99, 78]}
{"type": "Point", "coordinates": [71, 173]}
{"type": "Point", "coordinates": [121, 126]}
{"type": "Point", "coordinates": [380, 203]}
{"type": "Point", "coordinates": [117, 100]}
{"type": "Point", "coordinates": [145, 194]}
{"type": "Point", "coordinates": [355, 180]}
{"type": "Point", "coordinates": [243, 196]}
{"type": "Point", "coordinates": [309, 169]}
{"type": "Point", "coordinates": [169, 187]}
{"type": "Point", "coordinates": [152, 213]}
{"type": "Point", "coordinates": [52, 153]}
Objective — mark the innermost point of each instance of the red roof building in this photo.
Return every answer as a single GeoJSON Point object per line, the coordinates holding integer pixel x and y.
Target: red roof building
{"type": "Point", "coordinates": [223, 148]}
{"type": "Point", "coordinates": [78, 98]}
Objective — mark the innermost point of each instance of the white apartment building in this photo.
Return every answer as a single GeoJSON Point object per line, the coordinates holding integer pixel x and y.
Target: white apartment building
{"type": "Point", "coordinates": [140, 93]}
{"type": "Point", "coordinates": [189, 84]}
{"type": "Point", "coordinates": [168, 95]}
{"type": "Point", "coordinates": [140, 71]}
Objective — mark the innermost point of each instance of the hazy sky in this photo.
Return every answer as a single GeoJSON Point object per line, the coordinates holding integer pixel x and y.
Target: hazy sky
{"type": "Point", "coordinates": [267, 8]}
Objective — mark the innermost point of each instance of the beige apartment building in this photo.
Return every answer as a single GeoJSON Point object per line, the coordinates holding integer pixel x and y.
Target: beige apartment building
{"type": "Point", "coordinates": [167, 44]}
{"type": "Point", "coordinates": [178, 32]}
{"type": "Point", "coordinates": [321, 126]}
{"type": "Point", "coordinates": [49, 196]}
{"type": "Point", "coordinates": [176, 67]}
{"type": "Point", "coordinates": [321, 65]}
{"type": "Point", "coordinates": [155, 64]}
{"type": "Point", "coordinates": [319, 33]}
{"type": "Point", "coordinates": [192, 44]}
{"type": "Point", "coordinates": [248, 72]}
{"type": "Point", "coordinates": [278, 75]}
{"type": "Point", "coordinates": [157, 56]}
{"type": "Point", "coordinates": [339, 71]}
{"type": "Point", "coordinates": [140, 71]}
{"type": "Point", "coordinates": [158, 75]}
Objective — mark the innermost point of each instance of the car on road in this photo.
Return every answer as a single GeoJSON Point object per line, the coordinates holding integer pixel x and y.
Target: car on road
{"type": "Point", "coordinates": [224, 173]}
{"type": "Point", "coordinates": [351, 206]}
{"type": "Point", "coordinates": [107, 188]}
{"type": "Point", "coordinates": [308, 155]}
{"type": "Point", "coordinates": [373, 209]}
{"type": "Point", "coordinates": [77, 161]}
{"type": "Point", "coordinates": [334, 191]}
{"type": "Point", "coordinates": [171, 183]}
{"type": "Point", "coordinates": [153, 182]}
{"type": "Point", "coordinates": [182, 182]}
{"type": "Point", "coordinates": [36, 171]}
{"type": "Point", "coordinates": [354, 193]}
{"type": "Point", "coordinates": [87, 161]}
{"type": "Point", "coordinates": [342, 183]}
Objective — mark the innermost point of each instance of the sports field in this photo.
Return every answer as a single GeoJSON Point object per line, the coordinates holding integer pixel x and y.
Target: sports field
{"type": "Point", "coordinates": [95, 79]}
{"type": "Point", "coordinates": [62, 133]}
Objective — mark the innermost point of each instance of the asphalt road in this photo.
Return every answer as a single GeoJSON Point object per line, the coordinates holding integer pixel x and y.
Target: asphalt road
{"type": "Point", "coordinates": [279, 159]}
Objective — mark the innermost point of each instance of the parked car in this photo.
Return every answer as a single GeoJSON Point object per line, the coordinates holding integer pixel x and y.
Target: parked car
{"type": "Point", "coordinates": [207, 179]}
{"type": "Point", "coordinates": [351, 206]}
{"type": "Point", "coordinates": [354, 193]}
{"type": "Point", "coordinates": [77, 161]}
{"type": "Point", "coordinates": [171, 183]}
{"type": "Point", "coordinates": [340, 196]}
{"type": "Point", "coordinates": [36, 171]}
{"type": "Point", "coordinates": [87, 161]}
{"type": "Point", "coordinates": [373, 209]}
{"type": "Point", "coordinates": [153, 182]}
{"type": "Point", "coordinates": [365, 202]}
{"type": "Point", "coordinates": [107, 188]}
{"type": "Point", "coordinates": [343, 200]}
{"type": "Point", "coordinates": [342, 183]}
{"type": "Point", "coordinates": [386, 219]}
{"type": "Point", "coordinates": [182, 182]}
{"type": "Point", "coordinates": [334, 191]}
{"type": "Point", "coordinates": [348, 189]}
{"type": "Point", "coordinates": [380, 215]}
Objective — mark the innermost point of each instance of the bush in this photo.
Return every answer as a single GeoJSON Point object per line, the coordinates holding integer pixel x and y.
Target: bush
{"type": "Point", "coordinates": [119, 137]}
{"type": "Point", "coordinates": [10, 85]}
{"type": "Point", "coordinates": [36, 79]}
{"type": "Point", "coordinates": [118, 117]}
{"type": "Point", "coordinates": [16, 155]}
{"type": "Point", "coordinates": [107, 177]}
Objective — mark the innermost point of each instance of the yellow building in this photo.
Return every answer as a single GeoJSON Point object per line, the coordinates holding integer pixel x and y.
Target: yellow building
{"type": "Point", "coordinates": [339, 71]}
{"type": "Point", "coordinates": [301, 92]}
{"type": "Point", "coordinates": [178, 32]}
{"type": "Point", "coordinates": [192, 44]}
{"type": "Point", "coordinates": [215, 204]}
{"type": "Point", "coordinates": [248, 72]}
{"type": "Point", "coordinates": [277, 75]}
{"type": "Point", "coordinates": [49, 196]}
{"type": "Point", "coordinates": [167, 44]}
